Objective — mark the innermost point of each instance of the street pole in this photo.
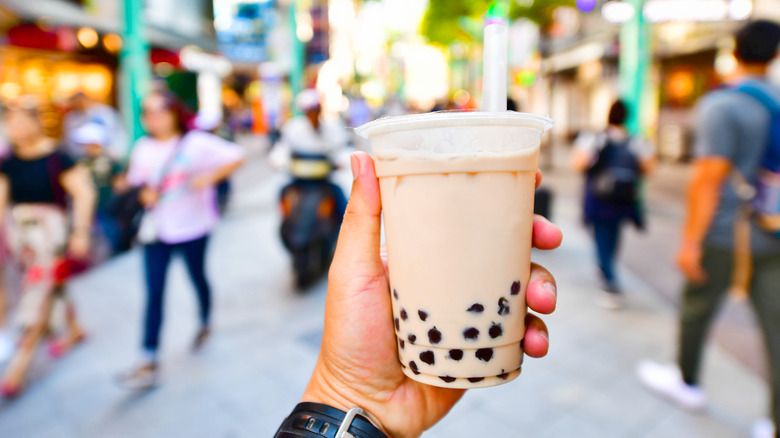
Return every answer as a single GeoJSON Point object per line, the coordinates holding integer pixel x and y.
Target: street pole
{"type": "Point", "coordinates": [136, 72]}
{"type": "Point", "coordinates": [298, 62]}
{"type": "Point", "coordinates": [634, 66]}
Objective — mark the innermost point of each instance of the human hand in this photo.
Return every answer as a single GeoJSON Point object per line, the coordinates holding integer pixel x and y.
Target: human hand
{"type": "Point", "coordinates": [358, 364]}
{"type": "Point", "coordinates": [689, 261]}
{"type": "Point", "coordinates": [78, 245]}
{"type": "Point", "coordinates": [148, 196]}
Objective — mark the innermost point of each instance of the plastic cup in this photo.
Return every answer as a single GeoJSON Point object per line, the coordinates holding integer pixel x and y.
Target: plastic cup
{"type": "Point", "coordinates": [457, 194]}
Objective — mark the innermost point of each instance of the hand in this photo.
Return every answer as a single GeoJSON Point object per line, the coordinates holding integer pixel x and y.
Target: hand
{"type": "Point", "coordinates": [358, 365]}
{"type": "Point", "coordinates": [78, 246]}
{"type": "Point", "coordinates": [689, 261]}
{"type": "Point", "coordinates": [201, 182]}
{"type": "Point", "coordinates": [148, 196]}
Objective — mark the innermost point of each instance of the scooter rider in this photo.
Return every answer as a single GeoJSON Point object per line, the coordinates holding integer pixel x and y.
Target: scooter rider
{"type": "Point", "coordinates": [311, 144]}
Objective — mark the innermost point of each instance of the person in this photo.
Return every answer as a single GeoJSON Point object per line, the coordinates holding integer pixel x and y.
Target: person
{"type": "Point", "coordinates": [312, 135]}
{"type": "Point", "coordinates": [106, 174]}
{"type": "Point", "coordinates": [357, 364]}
{"type": "Point", "coordinates": [35, 182]}
{"type": "Point", "coordinates": [613, 163]}
{"type": "Point", "coordinates": [84, 110]}
{"type": "Point", "coordinates": [732, 135]}
{"type": "Point", "coordinates": [176, 170]}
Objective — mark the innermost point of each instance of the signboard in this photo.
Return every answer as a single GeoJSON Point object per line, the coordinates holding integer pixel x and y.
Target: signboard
{"type": "Point", "coordinates": [243, 29]}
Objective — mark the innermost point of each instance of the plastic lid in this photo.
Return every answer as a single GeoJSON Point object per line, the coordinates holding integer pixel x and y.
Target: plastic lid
{"type": "Point", "coordinates": [443, 119]}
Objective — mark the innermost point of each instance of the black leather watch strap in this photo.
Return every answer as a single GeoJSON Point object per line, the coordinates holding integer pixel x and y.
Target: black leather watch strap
{"type": "Point", "coordinates": [315, 420]}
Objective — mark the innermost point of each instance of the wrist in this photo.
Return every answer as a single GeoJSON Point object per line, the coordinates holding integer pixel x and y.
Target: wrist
{"type": "Point", "coordinates": [320, 390]}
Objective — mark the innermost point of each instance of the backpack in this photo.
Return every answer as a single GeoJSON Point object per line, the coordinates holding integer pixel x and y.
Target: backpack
{"type": "Point", "coordinates": [616, 175]}
{"type": "Point", "coordinates": [765, 201]}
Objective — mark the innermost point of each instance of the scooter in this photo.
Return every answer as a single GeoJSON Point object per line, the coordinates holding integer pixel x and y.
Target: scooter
{"type": "Point", "coordinates": [312, 211]}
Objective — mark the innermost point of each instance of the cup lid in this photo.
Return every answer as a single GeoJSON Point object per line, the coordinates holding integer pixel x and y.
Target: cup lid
{"type": "Point", "coordinates": [441, 119]}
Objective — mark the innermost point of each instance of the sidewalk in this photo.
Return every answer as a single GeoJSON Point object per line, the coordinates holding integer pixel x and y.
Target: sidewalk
{"type": "Point", "coordinates": [266, 339]}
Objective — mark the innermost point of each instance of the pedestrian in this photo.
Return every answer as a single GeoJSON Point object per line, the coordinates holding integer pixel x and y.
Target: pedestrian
{"type": "Point", "coordinates": [614, 164]}
{"type": "Point", "coordinates": [106, 174]}
{"type": "Point", "coordinates": [733, 138]}
{"type": "Point", "coordinates": [358, 369]}
{"type": "Point", "coordinates": [85, 110]}
{"type": "Point", "coordinates": [176, 170]}
{"type": "Point", "coordinates": [36, 182]}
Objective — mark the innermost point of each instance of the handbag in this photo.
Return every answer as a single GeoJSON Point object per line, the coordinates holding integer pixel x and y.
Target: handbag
{"type": "Point", "coordinates": [146, 220]}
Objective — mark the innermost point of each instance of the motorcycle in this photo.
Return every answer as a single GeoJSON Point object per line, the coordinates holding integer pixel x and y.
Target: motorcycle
{"type": "Point", "coordinates": [312, 211]}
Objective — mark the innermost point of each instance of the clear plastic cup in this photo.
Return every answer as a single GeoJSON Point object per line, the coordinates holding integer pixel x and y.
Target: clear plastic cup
{"type": "Point", "coordinates": [457, 194]}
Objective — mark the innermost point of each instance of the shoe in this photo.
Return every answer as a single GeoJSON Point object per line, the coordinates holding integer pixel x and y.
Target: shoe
{"type": "Point", "coordinates": [763, 428]}
{"type": "Point", "coordinates": [667, 381]}
{"type": "Point", "coordinates": [611, 300]}
{"type": "Point", "coordinates": [201, 338]}
{"type": "Point", "coordinates": [142, 377]}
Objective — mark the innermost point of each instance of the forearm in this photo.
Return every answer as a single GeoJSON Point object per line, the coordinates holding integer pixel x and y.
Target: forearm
{"type": "Point", "coordinates": [225, 171]}
{"type": "Point", "coordinates": [83, 209]}
{"type": "Point", "coordinates": [702, 202]}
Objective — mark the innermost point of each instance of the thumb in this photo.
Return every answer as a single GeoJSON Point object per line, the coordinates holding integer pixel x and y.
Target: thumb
{"type": "Point", "coordinates": [357, 252]}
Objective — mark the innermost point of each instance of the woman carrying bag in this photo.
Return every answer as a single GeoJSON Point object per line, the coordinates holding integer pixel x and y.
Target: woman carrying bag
{"type": "Point", "coordinates": [175, 171]}
{"type": "Point", "coordinates": [36, 182]}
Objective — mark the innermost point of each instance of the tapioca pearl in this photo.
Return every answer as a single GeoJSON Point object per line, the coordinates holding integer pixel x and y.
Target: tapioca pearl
{"type": "Point", "coordinates": [401, 343]}
{"type": "Point", "coordinates": [495, 330]}
{"type": "Point", "coordinates": [411, 338]}
{"type": "Point", "coordinates": [471, 333]}
{"type": "Point", "coordinates": [476, 308]}
{"type": "Point", "coordinates": [428, 357]}
{"type": "Point", "coordinates": [397, 324]}
{"type": "Point", "coordinates": [456, 354]}
{"type": "Point", "coordinates": [395, 294]}
{"type": "Point", "coordinates": [484, 354]}
{"type": "Point", "coordinates": [413, 367]}
{"type": "Point", "coordinates": [476, 379]}
{"type": "Point", "coordinates": [422, 314]}
{"type": "Point", "coordinates": [404, 315]}
{"type": "Point", "coordinates": [515, 289]}
{"type": "Point", "coordinates": [447, 379]}
{"type": "Point", "coordinates": [503, 376]}
{"type": "Point", "coordinates": [503, 306]}
{"type": "Point", "coordinates": [434, 335]}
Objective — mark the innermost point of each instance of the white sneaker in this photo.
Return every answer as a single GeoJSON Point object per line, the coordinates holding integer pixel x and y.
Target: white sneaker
{"type": "Point", "coordinates": [763, 428]}
{"type": "Point", "coordinates": [141, 377]}
{"type": "Point", "coordinates": [667, 381]}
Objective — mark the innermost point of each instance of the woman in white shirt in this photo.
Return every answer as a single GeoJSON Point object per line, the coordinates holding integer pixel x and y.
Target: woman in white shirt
{"type": "Point", "coordinates": [176, 170]}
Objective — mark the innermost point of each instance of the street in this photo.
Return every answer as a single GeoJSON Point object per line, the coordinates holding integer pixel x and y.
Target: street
{"type": "Point", "coordinates": [266, 339]}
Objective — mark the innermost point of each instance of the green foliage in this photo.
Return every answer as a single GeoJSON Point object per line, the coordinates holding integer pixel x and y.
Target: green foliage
{"type": "Point", "coordinates": [449, 21]}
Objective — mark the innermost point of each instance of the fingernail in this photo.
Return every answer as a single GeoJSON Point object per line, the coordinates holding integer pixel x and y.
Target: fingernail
{"type": "Point", "coordinates": [355, 166]}
{"type": "Point", "coordinates": [550, 287]}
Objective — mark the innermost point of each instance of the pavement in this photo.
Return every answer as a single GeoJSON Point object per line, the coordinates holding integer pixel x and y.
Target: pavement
{"type": "Point", "coordinates": [266, 339]}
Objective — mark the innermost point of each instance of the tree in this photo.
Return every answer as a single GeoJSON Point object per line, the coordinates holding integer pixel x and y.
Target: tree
{"type": "Point", "coordinates": [449, 21]}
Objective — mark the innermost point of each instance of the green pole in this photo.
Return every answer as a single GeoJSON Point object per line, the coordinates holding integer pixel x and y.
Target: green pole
{"type": "Point", "coordinates": [298, 62]}
{"type": "Point", "coordinates": [135, 68]}
{"type": "Point", "coordinates": [634, 66]}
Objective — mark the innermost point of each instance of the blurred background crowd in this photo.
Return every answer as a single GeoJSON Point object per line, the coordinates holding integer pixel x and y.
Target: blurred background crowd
{"type": "Point", "coordinates": [275, 85]}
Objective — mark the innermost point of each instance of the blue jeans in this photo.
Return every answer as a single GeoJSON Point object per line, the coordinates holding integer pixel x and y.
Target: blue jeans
{"type": "Point", "coordinates": [607, 236]}
{"type": "Point", "coordinates": [157, 257]}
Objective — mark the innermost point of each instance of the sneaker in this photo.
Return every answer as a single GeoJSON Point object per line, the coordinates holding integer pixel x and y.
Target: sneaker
{"type": "Point", "coordinates": [667, 381]}
{"type": "Point", "coordinates": [763, 428]}
{"type": "Point", "coordinates": [141, 377]}
{"type": "Point", "coordinates": [611, 300]}
{"type": "Point", "coordinates": [201, 338]}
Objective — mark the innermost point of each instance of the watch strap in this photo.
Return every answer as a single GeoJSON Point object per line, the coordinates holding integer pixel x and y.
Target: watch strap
{"type": "Point", "coordinates": [316, 420]}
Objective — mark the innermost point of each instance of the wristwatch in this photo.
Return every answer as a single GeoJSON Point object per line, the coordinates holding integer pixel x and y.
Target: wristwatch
{"type": "Point", "coordinates": [315, 420]}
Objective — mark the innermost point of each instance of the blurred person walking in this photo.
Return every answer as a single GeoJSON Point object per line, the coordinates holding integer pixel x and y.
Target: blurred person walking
{"type": "Point", "coordinates": [175, 170]}
{"type": "Point", "coordinates": [85, 110]}
{"type": "Point", "coordinates": [737, 131]}
{"type": "Point", "coordinates": [35, 182]}
{"type": "Point", "coordinates": [614, 164]}
{"type": "Point", "coordinates": [106, 174]}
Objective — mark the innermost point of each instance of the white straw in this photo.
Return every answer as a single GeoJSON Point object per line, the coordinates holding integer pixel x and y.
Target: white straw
{"type": "Point", "coordinates": [494, 73]}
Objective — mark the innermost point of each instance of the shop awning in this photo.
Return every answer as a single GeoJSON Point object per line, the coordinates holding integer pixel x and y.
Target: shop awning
{"type": "Point", "coordinates": [59, 12]}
